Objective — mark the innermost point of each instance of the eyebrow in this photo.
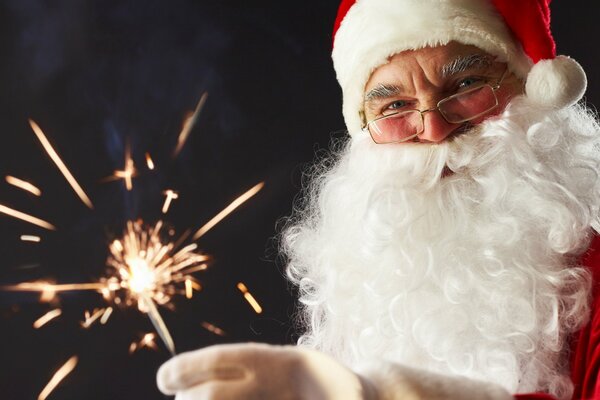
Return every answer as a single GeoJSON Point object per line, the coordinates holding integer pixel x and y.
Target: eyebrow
{"type": "Point", "coordinates": [459, 64]}
{"type": "Point", "coordinates": [463, 63]}
{"type": "Point", "coordinates": [382, 91]}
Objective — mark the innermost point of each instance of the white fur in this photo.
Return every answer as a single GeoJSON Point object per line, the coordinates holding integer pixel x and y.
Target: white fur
{"type": "Point", "coordinates": [473, 274]}
{"type": "Point", "coordinates": [559, 83]}
{"type": "Point", "coordinates": [398, 382]}
{"type": "Point", "coordinates": [374, 30]}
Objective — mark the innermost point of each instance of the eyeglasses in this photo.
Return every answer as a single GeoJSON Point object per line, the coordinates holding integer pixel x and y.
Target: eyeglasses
{"type": "Point", "coordinates": [403, 126]}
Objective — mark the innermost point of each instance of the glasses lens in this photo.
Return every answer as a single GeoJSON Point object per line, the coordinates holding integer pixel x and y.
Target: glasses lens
{"type": "Point", "coordinates": [396, 127]}
{"type": "Point", "coordinates": [468, 105]}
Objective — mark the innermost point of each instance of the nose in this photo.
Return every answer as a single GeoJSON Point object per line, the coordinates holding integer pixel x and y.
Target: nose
{"type": "Point", "coordinates": [435, 128]}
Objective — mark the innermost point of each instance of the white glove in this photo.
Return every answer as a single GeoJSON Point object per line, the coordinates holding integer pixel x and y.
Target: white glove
{"type": "Point", "coordinates": [260, 372]}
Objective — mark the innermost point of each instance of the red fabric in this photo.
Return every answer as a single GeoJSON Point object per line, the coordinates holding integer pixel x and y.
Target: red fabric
{"type": "Point", "coordinates": [342, 11]}
{"type": "Point", "coordinates": [585, 359]}
{"type": "Point", "coordinates": [529, 20]}
{"type": "Point", "coordinates": [585, 356]}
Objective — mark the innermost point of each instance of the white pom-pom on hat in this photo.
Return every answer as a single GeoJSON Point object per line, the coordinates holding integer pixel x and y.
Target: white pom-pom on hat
{"type": "Point", "coordinates": [559, 82]}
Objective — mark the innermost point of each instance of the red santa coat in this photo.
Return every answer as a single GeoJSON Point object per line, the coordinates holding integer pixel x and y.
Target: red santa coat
{"type": "Point", "coordinates": [585, 356]}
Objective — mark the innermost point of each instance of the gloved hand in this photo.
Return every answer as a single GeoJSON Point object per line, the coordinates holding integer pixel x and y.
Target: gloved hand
{"type": "Point", "coordinates": [258, 372]}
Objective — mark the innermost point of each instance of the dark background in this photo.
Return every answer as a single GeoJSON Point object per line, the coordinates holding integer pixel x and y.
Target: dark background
{"type": "Point", "coordinates": [96, 74]}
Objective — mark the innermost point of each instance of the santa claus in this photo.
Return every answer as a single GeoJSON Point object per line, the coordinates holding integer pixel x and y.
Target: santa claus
{"type": "Point", "coordinates": [446, 249]}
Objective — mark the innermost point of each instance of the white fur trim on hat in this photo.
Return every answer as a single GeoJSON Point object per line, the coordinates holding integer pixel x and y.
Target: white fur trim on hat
{"type": "Point", "coordinates": [374, 30]}
{"type": "Point", "coordinates": [559, 82]}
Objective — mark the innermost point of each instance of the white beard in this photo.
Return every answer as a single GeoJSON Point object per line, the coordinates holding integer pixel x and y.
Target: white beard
{"type": "Point", "coordinates": [473, 274]}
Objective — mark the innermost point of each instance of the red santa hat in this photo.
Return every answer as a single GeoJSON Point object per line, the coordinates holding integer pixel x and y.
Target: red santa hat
{"type": "Point", "coordinates": [368, 32]}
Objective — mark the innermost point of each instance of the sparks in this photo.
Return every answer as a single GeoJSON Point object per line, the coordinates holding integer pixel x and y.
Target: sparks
{"type": "Point", "coordinates": [106, 315]}
{"type": "Point", "coordinates": [21, 184]}
{"type": "Point", "coordinates": [214, 329]}
{"type": "Point", "coordinates": [26, 217]}
{"type": "Point", "coordinates": [44, 319]}
{"type": "Point", "coordinates": [149, 162]}
{"type": "Point", "coordinates": [145, 264]}
{"type": "Point", "coordinates": [44, 286]}
{"type": "Point", "coordinates": [128, 171]}
{"type": "Point", "coordinates": [59, 163]}
{"type": "Point", "coordinates": [228, 210]}
{"type": "Point", "coordinates": [188, 124]}
{"type": "Point", "coordinates": [90, 318]}
{"type": "Point", "coordinates": [31, 238]}
{"type": "Point", "coordinates": [148, 340]}
{"type": "Point", "coordinates": [170, 196]}
{"type": "Point", "coordinates": [59, 375]}
{"type": "Point", "coordinates": [249, 298]}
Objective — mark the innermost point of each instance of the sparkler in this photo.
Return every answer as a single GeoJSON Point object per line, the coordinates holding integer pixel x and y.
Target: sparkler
{"type": "Point", "coordinates": [146, 267]}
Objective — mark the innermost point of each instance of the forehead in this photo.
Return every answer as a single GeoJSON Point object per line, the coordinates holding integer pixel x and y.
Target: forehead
{"type": "Point", "coordinates": [428, 61]}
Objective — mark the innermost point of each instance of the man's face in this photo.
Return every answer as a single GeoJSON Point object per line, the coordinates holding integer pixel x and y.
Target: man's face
{"type": "Point", "coordinates": [419, 79]}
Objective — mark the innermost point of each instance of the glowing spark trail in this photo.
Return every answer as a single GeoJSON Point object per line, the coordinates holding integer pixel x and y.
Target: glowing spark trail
{"type": "Point", "coordinates": [128, 172]}
{"type": "Point", "coordinates": [60, 374]}
{"type": "Point", "coordinates": [148, 340]}
{"type": "Point", "coordinates": [90, 319]}
{"type": "Point", "coordinates": [31, 238]}
{"type": "Point", "coordinates": [26, 217]}
{"type": "Point", "coordinates": [44, 319]}
{"type": "Point", "coordinates": [249, 298]}
{"type": "Point", "coordinates": [21, 184]}
{"type": "Point", "coordinates": [188, 124]}
{"type": "Point", "coordinates": [149, 162]}
{"type": "Point", "coordinates": [106, 315]}
{"type": "Point", "coordinates": [61, 166]}
{"type": "Point", "coordinates": [171, 195]}
{"type": "Point", "coordinates": [228, 210]}
{"type": "Point", "coordinates": [214, 329]}
{"type": "Point", "coordinates": [43, 287]}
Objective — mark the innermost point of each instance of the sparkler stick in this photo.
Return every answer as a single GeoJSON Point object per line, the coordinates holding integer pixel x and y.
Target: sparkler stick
{"type": "Point", "coordinates": [59, 163]}
{"type": "Point", "coordinates": [26, 217]}
{"type": "Point", "coordinates": [159, 324]}
{"type": "Point", "coordinates": [59, 375]}
{"type": "Point", "coordinates": [188, 124]}
{"type": "Point", "coordinates": [228, 210]}
{"type": "Point", "coordinates": [21, 184]}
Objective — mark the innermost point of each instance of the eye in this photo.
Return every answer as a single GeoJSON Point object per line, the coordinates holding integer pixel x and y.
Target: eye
{"type": "Point", "coordinates": [397, 105]}
{"type": "Point", "coordinates": [469, 82]}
